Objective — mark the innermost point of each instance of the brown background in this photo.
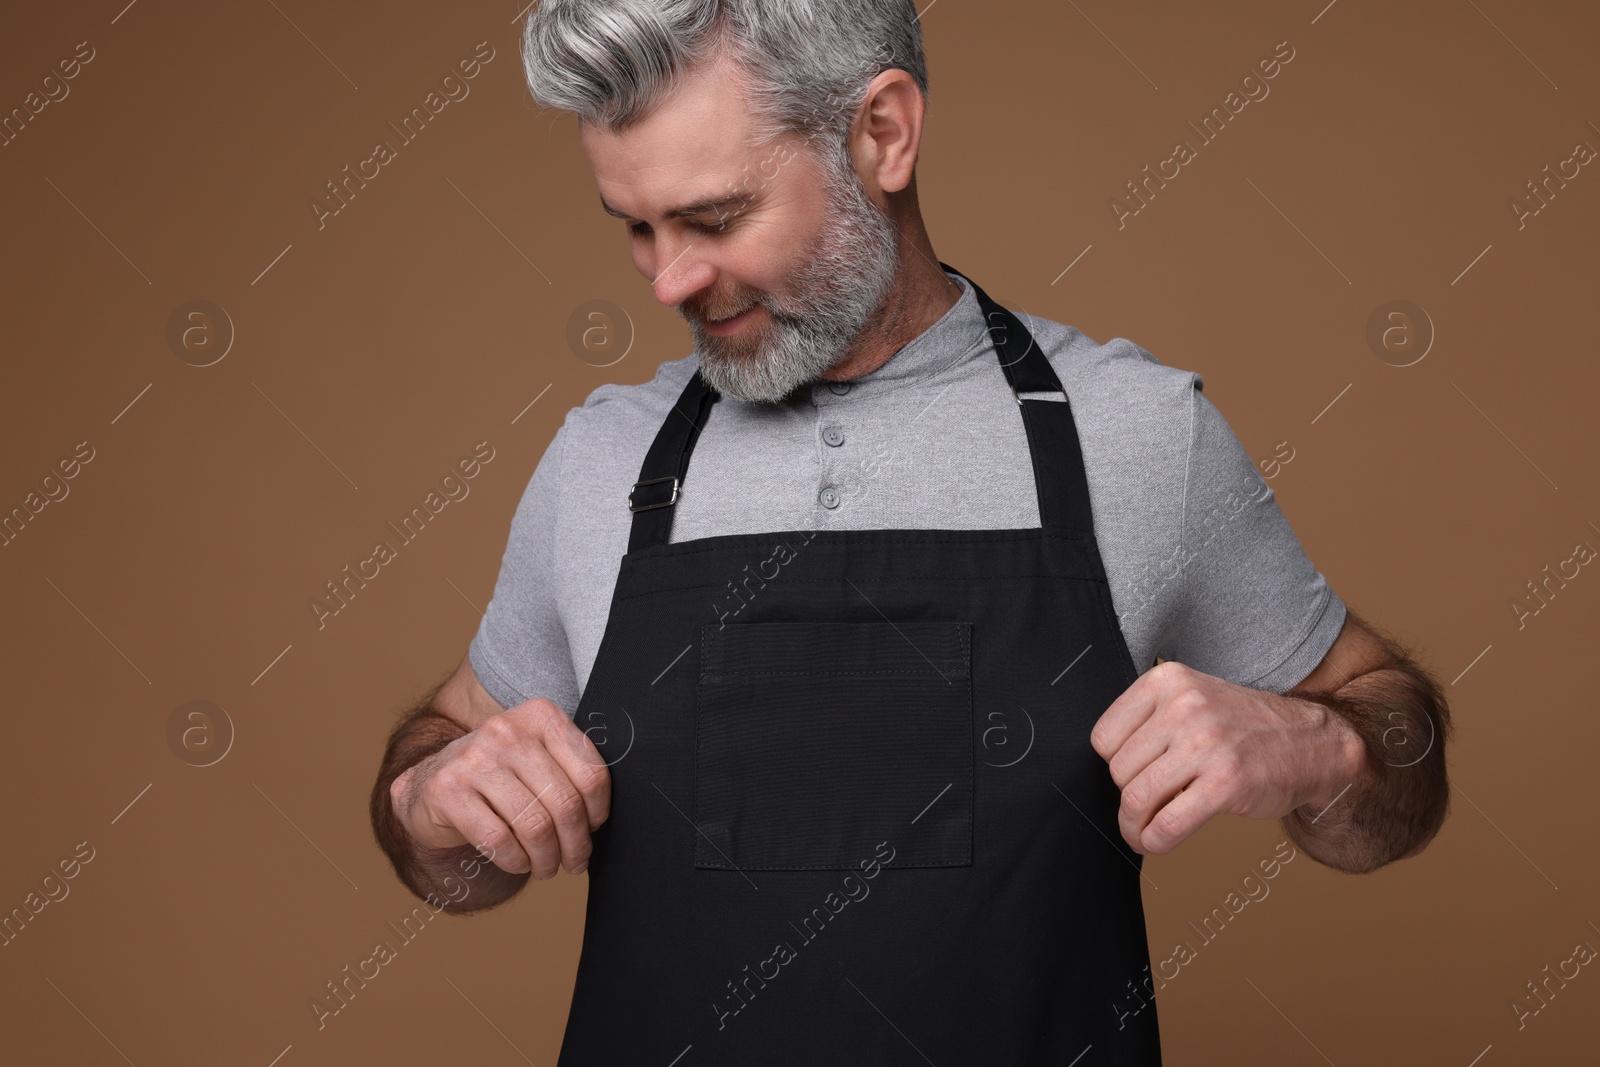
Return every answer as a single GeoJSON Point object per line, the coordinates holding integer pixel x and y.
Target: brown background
{"type": "Point", "coordinates": [373, 353]}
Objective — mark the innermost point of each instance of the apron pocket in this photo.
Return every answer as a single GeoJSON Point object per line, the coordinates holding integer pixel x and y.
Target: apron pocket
{"type": "Point", "coordinates": [816, 741]}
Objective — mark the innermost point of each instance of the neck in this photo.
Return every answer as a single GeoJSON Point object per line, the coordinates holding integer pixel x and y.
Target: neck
{"type": "Point", "coordinates": [921, 295]}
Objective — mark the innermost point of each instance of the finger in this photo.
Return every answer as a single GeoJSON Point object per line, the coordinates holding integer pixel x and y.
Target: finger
{"type": "Point", "coordinates": [1128, 712]}
{"type": "Point", "coordinates": [557, 818]}
{"type": "Point", "coordinates": [516, 801]}
{"type": "Point", "coordinates": [1145, 799]}
{"type": "Point", "coordinates": [557, 815]}
{"type": "Point", "coordinates": [486, 831]}
{"type": "Point", "coordinates": [1178, 819]}
{"type": "Point", "coordinates": [533, 793]}
{"type": "Point", "coordinates": [1147, 744]}
{"type": "Point", "coordinates": [580, 760]}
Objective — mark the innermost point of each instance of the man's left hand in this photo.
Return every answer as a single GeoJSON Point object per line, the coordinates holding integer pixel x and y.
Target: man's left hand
{"type": "Point", "coordinates": [1184, 746]}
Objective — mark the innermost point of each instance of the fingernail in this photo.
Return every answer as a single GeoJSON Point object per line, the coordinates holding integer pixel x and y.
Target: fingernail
{"type": "Point", "coordinates": [580, 868]}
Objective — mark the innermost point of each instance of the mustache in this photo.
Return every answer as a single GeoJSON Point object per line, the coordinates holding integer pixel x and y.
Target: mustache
{"type": "Point", "coordinates": [701, 312]}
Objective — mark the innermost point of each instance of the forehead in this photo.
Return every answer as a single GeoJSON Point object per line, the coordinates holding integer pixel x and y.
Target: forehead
{"type": "Point", "coordinates": [695, 144]}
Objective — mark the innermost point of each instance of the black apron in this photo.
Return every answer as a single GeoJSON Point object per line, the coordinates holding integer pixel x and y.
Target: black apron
{"type": "Point", "coordinates": [855, 814]}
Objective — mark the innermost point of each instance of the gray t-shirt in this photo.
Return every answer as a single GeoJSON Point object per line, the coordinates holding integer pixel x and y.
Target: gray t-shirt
{"type": "Point", "coordinates": [1202, 564]}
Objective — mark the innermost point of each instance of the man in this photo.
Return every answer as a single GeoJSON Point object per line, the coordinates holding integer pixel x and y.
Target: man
{"type": "Point", "coordinates": [895, 567]}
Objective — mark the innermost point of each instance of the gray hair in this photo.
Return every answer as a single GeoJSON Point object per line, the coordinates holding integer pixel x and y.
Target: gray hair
{"type": "Point", "coordinates": [806, 63]}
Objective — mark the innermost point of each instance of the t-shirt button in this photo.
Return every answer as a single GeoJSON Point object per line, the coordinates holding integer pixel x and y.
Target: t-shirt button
{"type": "Point", "coordinates": [834, 436]}
{"type": "Point", "coordinates": [838, 388]}
{"type": "Point", "coordinates": [829, 497]}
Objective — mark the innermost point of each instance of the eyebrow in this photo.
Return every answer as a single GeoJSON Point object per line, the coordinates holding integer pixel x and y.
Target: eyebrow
{"type": "Point", "coordinates": [703, 206]}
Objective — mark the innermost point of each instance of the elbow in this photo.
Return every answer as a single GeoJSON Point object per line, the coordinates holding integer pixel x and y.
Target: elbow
{"type": "Point", "coordinates": [1428, 827]}
{"type": "Point", "coordinates": [1424, 824]}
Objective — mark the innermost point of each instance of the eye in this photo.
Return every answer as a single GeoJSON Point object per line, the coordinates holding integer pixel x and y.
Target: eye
{"type": "Point", "coordinates": [639, 229]}
{"type": "Point", "coordinates": [715, 226]}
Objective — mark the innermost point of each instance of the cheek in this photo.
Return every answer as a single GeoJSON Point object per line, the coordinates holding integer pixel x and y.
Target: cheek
{"type": "Point", "coordinates": [766, 263]}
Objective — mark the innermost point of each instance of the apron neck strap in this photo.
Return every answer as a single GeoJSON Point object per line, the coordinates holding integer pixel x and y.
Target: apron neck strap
{"type": "Point", "coordinates": [1058, 471]}
{"type": "Point", "coordinates": [655, 494]}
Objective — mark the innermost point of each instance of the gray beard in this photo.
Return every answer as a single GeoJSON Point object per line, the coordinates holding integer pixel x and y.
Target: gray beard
{"type": "Point", "coordinates": [841, 285]}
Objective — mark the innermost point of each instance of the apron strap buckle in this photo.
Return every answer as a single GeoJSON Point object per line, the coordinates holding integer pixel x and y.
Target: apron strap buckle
{"type": "Point", "coordinates": [673, 499]}
{"type": "Point", "coordinates": [1040, 394]}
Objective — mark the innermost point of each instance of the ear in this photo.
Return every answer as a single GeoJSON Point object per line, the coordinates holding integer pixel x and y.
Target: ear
{"type": "Point", "coordinates": [887, 132]}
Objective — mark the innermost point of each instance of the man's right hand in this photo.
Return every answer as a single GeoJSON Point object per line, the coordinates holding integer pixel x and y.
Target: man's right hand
{"type": "Point", "coordinates": [525, 786]}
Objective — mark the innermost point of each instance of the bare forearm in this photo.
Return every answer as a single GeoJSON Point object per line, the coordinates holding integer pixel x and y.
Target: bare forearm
{"type": "Point", "coordinates": [461, 879]}
{"type": "Point", "coordinates": [1397, 793]}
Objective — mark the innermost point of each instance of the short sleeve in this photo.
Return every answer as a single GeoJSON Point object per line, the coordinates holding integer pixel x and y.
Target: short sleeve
{"type": "Point", "coordinates": [520, 650]}
{"type": "Point", "coordinates": [1251, 607]}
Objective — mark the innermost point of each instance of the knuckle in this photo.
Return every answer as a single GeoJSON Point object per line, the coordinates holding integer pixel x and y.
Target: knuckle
{"type": "Point", "coordinates": [537, 826]}
{"type": "Point", "coordinates": [1190, 701]}
{"type": "Point", "coordinates": [449, 782]}
{"type": "Point", "coordinates": [547, 713]}
{"type": "Point", "coordinates": [498, 844]}
{"type": "Point", "coordinates": [587, 749]}
{"type": "Point", "coordinates": [1116, 772]}
{"type": "Point", "coordinates": [592, 778]}
{"type": "Point", "coordinates": [1168, 824]}
{"type": "Point", "coordinates": [569, 807]}
{"type": "Point", "coordinates": [500, 729]}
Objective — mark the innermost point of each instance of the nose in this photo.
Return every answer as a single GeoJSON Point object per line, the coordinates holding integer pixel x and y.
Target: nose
{"type": "Point", "coordinates": [681, 270]}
